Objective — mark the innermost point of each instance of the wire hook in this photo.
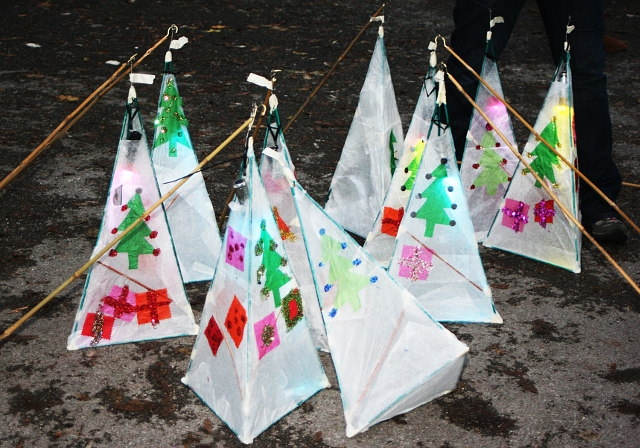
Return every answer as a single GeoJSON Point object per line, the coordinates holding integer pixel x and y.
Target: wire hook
{"type": "Point", "coordinates": [273, 77]}
{"type": "Point", "coordinates": [172, 30]}
{"type": "Point", "coordinates": [130, 62]}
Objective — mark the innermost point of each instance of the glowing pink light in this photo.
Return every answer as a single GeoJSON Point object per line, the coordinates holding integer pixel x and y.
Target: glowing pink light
{"type": "Point", "coordinates": [495, 107]}
{"type": "Point", "coordinates": [126, 176]}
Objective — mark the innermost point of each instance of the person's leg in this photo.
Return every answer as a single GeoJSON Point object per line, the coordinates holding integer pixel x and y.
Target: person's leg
{"type": "Point", "coordinates": [591, 105]}
{"type": "Point", "coordinates": [471, 19]}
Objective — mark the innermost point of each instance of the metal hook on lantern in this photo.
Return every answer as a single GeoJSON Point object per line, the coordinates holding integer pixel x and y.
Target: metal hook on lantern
{"type": "Point", "coordinates": [441, 37]}
{"type": "Point", "coordinates": [434, 45]}
{"type": "Point", "coordinates": [273, 76]}
{"type": "Point", "coordinates": [172, 30]}
{"type": "Point", "coordinates": [131, 60]}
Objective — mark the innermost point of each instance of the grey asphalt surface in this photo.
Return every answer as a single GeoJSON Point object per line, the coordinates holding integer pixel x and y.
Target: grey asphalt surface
{"type": "Point", "coordinates": [564, 368]}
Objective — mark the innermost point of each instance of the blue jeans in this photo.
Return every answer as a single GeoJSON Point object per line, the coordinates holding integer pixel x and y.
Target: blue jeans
{"type": "Point", "coordinates": [591, 104]}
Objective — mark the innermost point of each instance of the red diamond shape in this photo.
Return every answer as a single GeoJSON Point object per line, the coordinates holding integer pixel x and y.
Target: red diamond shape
{"type": "Point", "coordinates": [235, 321]}
{"type": "Point", "coordinates": [214, 335]}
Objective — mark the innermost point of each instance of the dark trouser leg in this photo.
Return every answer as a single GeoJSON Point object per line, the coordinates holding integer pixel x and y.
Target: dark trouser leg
{"type": "Point", "coordinates": [468, 40]}
{"type": "Point", "coordinates": [591, 104]}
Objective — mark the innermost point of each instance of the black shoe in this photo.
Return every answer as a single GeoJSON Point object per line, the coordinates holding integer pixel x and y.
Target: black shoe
{"type": "Point", "coordinates": [610, 230]}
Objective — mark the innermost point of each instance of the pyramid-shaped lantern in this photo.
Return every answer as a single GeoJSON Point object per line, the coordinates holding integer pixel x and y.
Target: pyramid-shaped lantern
{"type": "Point", "coordinates": [371, 150]}
{"type": "Point", "coordinates": [276, 169]}
{"type": "Point", "coordinates": [381, 240]}
{"type": "Point", "coordinates": [436, 254]}
{"type": "Point", "coordinates": [254, 360]}
{"type": "Point", "coordinates": [529, 221]}
{"type": "Point", "coordinates": [488, 163]}
{"type": "Point", "coordinates": [390, 356]}
{"type": "Point", "coordinates": [190, 213]}
{"type": "Point", "coordinates": [134, 293]}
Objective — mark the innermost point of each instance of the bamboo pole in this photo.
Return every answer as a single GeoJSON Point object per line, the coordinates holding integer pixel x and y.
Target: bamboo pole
{"type": "Point", "coordinates": [535, 133]}
{"type": "Point", "coordinates": [331, 70]}
{"type": "Point", "coordinates": [562, 207]}
{"type": "Point", "coordinates": [80, 111]}
{"type": "Point", "coordinates": [124, 233]}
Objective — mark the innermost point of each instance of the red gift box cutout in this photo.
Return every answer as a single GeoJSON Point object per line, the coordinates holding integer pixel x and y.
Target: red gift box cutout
{"type": "Point", "coordinates": [391, 218]}
{"type": "Point", "coordinates": [153, 306]}
{"type": "Point", "coordinates": [544, 212]}
{"type": "Point", "coordinates": [96, 329]}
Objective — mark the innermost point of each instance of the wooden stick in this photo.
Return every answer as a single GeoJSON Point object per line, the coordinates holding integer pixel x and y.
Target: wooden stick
{"type": "Point", "coordinates": [629, 184]}
{"type": "Point", "coordinates": [74, 116]}
{"type": "Point", "coordinates": [122, 274]}
{"type": "Point", "coordinates": [331, 70]}
{"type": "Point", "coordinates": [562, 207]}
{"type": "Point", "coordinates": [535, 133]}
{"type": "Point", "coordinates": [382, 359]}
{"type": "Point", "coordinates": [125, 232]}
{"type": "Point", "coordinates": [227, 344]}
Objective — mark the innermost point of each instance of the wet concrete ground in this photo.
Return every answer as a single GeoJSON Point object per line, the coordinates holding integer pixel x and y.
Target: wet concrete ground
{"type": "Point", "coordinates": [563, 369]}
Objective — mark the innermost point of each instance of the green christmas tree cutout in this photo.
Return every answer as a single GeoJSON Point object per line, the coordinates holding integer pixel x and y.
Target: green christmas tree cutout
{"type": "Point", "coordinates": [491, 164]}
{"type": "Point", "coordinates": [135, 242]}
{"type": "Point", "coordinates": [274, 278]}
{"type": "Point", "coordinates": [492, 172]}
{"type": "Point", "coordinates": [170, 120]}
{"type": "Point", "coordinates": [545, 158]}
{"type": "Point", "coordinates": [488, 139]}
{"type": "Point", "coordinates": [413, 166]}
{"type": "Point", "coordinates": [341, 274]}
{"type": "Point", "coordinates": [392, 152]}
{"type": "Point", "coordinates": [437, 200]}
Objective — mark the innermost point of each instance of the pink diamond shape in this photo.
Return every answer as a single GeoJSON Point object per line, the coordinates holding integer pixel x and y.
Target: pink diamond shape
{"type": "Point", "coordinates": [266, 332]}
{"type": "Point", "coordinates": [236, 243]}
